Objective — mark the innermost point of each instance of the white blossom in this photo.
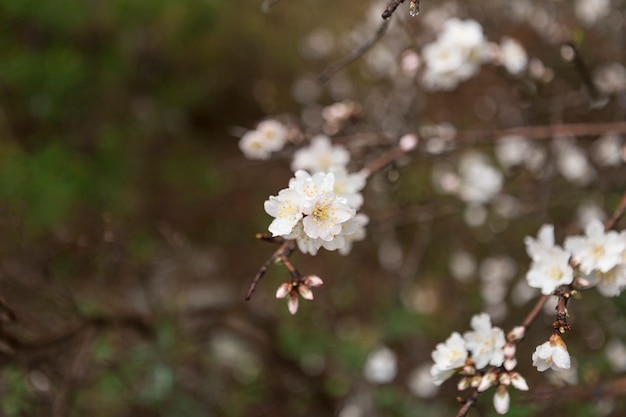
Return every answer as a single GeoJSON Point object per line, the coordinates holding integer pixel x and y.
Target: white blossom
{"type": "Point", "coordinates": [610, 283]}
{"type": "Point", "coordinates": [550, 267]}
{"type": "Point", "coordinates": [381, 366]}
{"type": "Point", "coordinates": [552, 355]}
{"type": "Point", "coordinates": [269, 136]}
{"type": "Point", "coordinates": [607, 150]}
{"type": "Point", "coordinates": [320, 156]}
{"type": "Point", "coordinates": [448, 357]}
{"type": "Point", "coordinates": [455, 56]}
{"type": "Point", "coordinates": [287, 210]}
{"type": "Point", "coordinates": [512, 56]}
{"type": "Point", "coordinates": [486, 343]}
{"type": "Point", "coordinates": [349, 186]}
{"type": "Point", "coordinates": [590, 11]}
{"type": "Point", "coordinates": [480, 181]}
{"type": "Point", "coordinates": [598, 250]}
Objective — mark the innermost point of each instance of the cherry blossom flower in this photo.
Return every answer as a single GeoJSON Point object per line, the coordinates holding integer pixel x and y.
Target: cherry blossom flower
{"type": "Point", "coordinates": [324, 215]}
{"type": "Point", "coordinates": [598, 250]}
{"type": "Point", "coordinates": [455, 56]}
{"type": "Point", "coordinates": [287, 210]}
{"type": "Point", "coordinates": [320, 156]}
{"type": "Point", "coordinates": [512, 56]}
{"type": "Point", "coordinates": [486, 343]}
{"type": "Point", "coordinates": [269, 136]}
{"type": "Point", "coordinates": [550, 267]}
{"type": "Point", "coordinates": [480, 181]}
{"type": "Point", "coordinates": [254, 146]}
{"type": "Point", "coordinates": [448, 357]}
{"type": "Point", "coordinates": [381, 366]}
{"type": "Point", "coordinates": [610, 283]}
{"type": "Point", "coordinates": [552, 355]}
{"type": "Point", "coordinates": [290, 291]}
{"type": "Point", "coordinates": [349, 186]}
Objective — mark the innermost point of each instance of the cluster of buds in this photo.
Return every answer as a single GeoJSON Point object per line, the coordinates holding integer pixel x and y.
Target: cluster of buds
{"type": "Point", "coordinates": [301, 286]}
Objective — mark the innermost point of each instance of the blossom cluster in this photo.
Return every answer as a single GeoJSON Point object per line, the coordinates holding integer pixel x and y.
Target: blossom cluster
{"type": "Point", "coordinates": [459, 51]}
{"type": "Point", "coordinates": [320, 209]}
{"type": "Point", "coordinates": [483, 357]}
{"type": "Point", "coordinates": [269, 136]}
{"type": "Point", "coordinates": [596, 259]}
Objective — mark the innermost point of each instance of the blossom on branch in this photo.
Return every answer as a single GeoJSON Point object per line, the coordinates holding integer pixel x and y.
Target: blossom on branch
{"type": "Point", "coordinates": [550, 267]}
{"type": "Point", "coordinates": [552, 355]}
{"type": "Point", "coordinates": [448, 358]}
{"type": "Point", "coordinates": [486, 343]}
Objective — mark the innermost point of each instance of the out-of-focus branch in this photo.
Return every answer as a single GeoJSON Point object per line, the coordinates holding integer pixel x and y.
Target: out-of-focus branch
{"type": "Point", "coordinates": [391, 7]}
{"type": "Point", "coordinates": [543, 132]}
{"type": "Point", "coordinates": [286, 247]}
{"type": "Point", "coordinates": [354, 55]}
{"type": "Point", "coordinates": [617, 214]}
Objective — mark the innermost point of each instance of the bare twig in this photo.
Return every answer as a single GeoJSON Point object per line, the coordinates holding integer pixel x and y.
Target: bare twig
{"type": "Point", "coordinates": [354, 55]}
{"type": "Point", "coordinates": [617, 214]}
{"type": "Point", "coordinates": [468, 403]}
{"type": "Point", "coordinates": [282, 253]}
{"type": "Point", "coordinates": [391, 7]}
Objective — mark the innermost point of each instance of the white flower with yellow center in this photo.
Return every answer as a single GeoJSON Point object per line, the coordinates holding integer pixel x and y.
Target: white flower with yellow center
{"type": "Point", "coordinates": [486, 343]}
{"type": "Point", "coordinates": [550, 267]}
{"type": "Point", "coordinates": [552, 355]}
{"type": "Point", "coordinates": [287, 210]}
{"type": "Point", "coordinates": [448, 357]}
{"type": "Point", "coordinates": [597, 250]}
{"type": "Point", "coordinates": [320, 156]}
{"type": "Point", "coordinates": [324, 215]}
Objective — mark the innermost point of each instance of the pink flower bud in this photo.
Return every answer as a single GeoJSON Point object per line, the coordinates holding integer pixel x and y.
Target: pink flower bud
{"type": "Point", "coordinates": [313, 281]}
{"type": "Point", "coordinates": [305, 292]}
{"type": "Point", "coordinates": [283, 290]}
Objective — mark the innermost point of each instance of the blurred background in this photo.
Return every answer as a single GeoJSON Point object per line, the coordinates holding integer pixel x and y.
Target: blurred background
{"type": "Point", "coordinates": [128, 213]}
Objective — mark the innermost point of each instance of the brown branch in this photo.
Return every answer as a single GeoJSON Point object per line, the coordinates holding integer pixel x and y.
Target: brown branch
{"type": "Point", "coordinates": [354, 55]}
{"type": "Point", "coordinates": [285, 249]}
{"type": "Point", "coordinates": [391, 7]}
{"type": "Point", "coordinates": [543, 132]}
{"type": "Point", "coordinates": [617, 214]}
{"type": "Point", "coordinates": [468, 403]}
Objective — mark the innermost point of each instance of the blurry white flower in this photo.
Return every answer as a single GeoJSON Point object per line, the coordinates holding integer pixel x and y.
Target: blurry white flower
{"type": "Point", "coordinates": [348, 186]}
{"type": "Point", "coordinates": [550, 267]}
{"type": "Point", "coordinates": [486, 343]}
{"type": "Point", "coordinates": [269, 136]}
{"type": "Point", "coordinates": [616, 354]}
{"type": "Point", "coordinates": [380, 366]}
{"type": "Point", "coordinates": [590, 11]}
{"type": "Point", "coordinates": [589, 211]}
{"type": "Point", "coordinates": [607, 150]}
{"type": "Point", "coordinates": [598, 250]}
{"type": "Point", "coordinates": [610, 78]}
{"type": "Point", "coordinates": [253, 145]}
{"type": "Point", "coordinates": [572, 162]}
{"type": "Point", "coordinates": [274, 134]}
{"type": "Point", "coordinates": [421, 383]}
{"type": "Point", "coordinates": [353, 231]}
{"type": "Point", "coordinates": [552, 355]}
{"type": "Point", "coordinates": [511, 150]}
{"type": "Point", "coordinates": [320, 156]}
{"type": "Point", "coordinates": [512, 56]}
{"type": "Point", "coordinates": [455, 56]}
{"type": "Point", "coordinates": [462, 265]}
{"type": "Point", "coordinates": [448, 357]}
{"type": "Point", "coordinates": [480, 181]}
{"type": "Point", "coordinates": [610, 283]}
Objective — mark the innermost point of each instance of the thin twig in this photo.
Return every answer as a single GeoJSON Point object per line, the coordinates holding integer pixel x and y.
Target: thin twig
{"type": "Point", "coordinates": [285, 249]}
{"type": "Point", "coordinates": [617, 214]}
{"type": "Point", "coordinates": [468, 403]}
{"type": "Point", "coordinates": [391, 7]}
{"type": "Point", "coordinates": [354, 55]}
